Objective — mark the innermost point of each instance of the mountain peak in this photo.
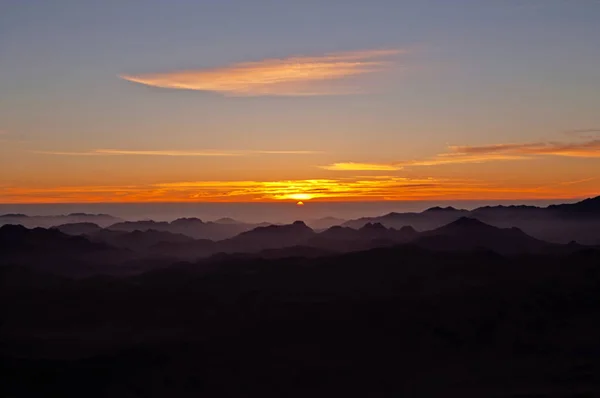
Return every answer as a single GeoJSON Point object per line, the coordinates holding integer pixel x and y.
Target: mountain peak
{"type": "Point", "coordinates": [226, 220]}
{"type": "Point", "coordinates": [438, 209]}
{"type": "Point", "coordinates": [408, 229]}
{"type": "Point", "coordinates": [377, 226]}
{"type": "Point", "coordinates": [467, 222]}
{"type": "Point", "coordinates": [187, 220]}
{"type": "Point", "coordinates": [589, 205]}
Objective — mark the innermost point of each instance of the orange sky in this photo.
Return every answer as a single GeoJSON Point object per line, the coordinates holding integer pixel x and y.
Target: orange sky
{"type": "Point", "coordinates": [133, 103]}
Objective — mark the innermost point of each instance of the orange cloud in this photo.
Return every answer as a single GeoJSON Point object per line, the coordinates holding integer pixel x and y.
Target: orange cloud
{"type": "Point", "coordinates": [293, 76]}
{"type": "Point", "coordinates": [584, 149]}
{"type": "Point", "coordinates": [485, 153]}
{"type": "Point", "coordinates": [342, 189]}
{"type": "Point", "coordinates": [345, 166]}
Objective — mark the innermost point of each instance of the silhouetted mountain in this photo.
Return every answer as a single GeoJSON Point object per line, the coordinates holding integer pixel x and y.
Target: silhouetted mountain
{"type": "Point", "coordinates": [19, 239]}
{"type": "Point", "coordinates": [269, 237]}
{"type": "Point", "coordinates": [192, 227]}
{"type": "Point", "coordinates": [421, 221]}
{"type": "Point", "coordinates": [80, 228]}
{"type": "Point", "coordinates": [56, 252]}
{"type": "Point", "coordinates": [324, 223]}
{"type": "Point", "coordinates": [590, 206]}
{"type": "Point", "coordinates": [344, 239]}
{"type": "Point", "coordinates": [557, 223]}
{"type": "Point", "coordinates": [449, 209]}
{"type": "Point", "coordinates": [130, 226]}
{"type": "Point", "coordinates": [138, 240]}
{"type": "Point", "coordinates": [471, 234]}
{"type": "Point", "coordinates": [102, 220]}
{"type": "Point", "coordinates": [186, 250]}
{"type": "Point", "coordinates": [227, 220]}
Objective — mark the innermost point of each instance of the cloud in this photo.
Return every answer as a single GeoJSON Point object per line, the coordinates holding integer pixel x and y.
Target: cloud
{"type": "Point", "coordinates": [365, 188]}
{"type": "Point", "coordinates": [584, 133]}
{"type": "Point", "coordinates": [584, 149]}
{"type": "Point", "coordinates": [292, 76]}
{"type": "Point", "coordinates": [345, 166]}
{"type": "Point", "coordinates": [483, 154]}
{"type": "Point", "coordinates": [196, 153]}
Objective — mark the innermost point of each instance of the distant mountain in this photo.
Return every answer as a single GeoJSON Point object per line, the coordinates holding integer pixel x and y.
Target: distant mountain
{"type": "Point", "coordinates": [371, 235]}
{"type": "Point", "coordinates": [192, 227]}
{"type": "Point", "coordinates": [269, 237]}
{"type": "Point", "coordinates": [324, 223]}
{"type": "Point", "coordinates": [17, 238]}
{"type": "Point", "coordinates": [590, 206]}
{"type": "Point", "coordinates": [101, 220]}
{"type": "Point", "coordinates": [227, 220]}
{"type": "Point", "coordinates": [429, 219]}
{"type": "Point", "coordinates": [138, 240]}
{"type": "Point", "coordinates": [448, 209]}
{"type": "Point", "coordinates": [80, 228]}
{"type": "Point", "coordinates": [557, 223]}
{"type": "Point", "coordinates": [130, 226]}
{"type": "Point", "coordinates": [471, 234]}
{"type": "Point", "coordinates": [54, 251]}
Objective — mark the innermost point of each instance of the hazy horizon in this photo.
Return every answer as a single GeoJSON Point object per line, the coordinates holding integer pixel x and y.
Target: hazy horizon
{"type": "Point", "coordinates": [257, 211]}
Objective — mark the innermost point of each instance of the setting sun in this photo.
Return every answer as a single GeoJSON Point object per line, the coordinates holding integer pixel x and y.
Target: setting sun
{"type": "Point", "coordinates": [300, 203]}
{"type": "Point", "coordinates": [300, 196]}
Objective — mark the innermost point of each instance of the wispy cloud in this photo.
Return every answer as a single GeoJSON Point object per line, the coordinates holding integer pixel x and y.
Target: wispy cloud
{"type": "Point", "coordinates": [293, 76]}
{"type": "Point", "coordinates": [192, 153]}
{"type": "Point", "coordinates": [485, 153]}
{"type": "Point", "coordinates": [584, 133]}
{"type": "Point", "coordinates": [345, 166]}
{"type": "Point", "coordinates": [363, 188]}
{"type": "Point", "coordinates": [584, 149]}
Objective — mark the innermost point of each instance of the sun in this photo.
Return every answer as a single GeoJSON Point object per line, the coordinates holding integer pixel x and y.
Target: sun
{"type": "Point", "coordinates": [300, 203]}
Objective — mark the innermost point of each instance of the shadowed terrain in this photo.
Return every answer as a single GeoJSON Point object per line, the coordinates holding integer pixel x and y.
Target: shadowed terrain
{"type": "Point", "coordinates": [465, 309]}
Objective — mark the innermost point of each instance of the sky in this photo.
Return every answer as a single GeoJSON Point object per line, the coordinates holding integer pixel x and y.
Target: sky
{"type": "Point", "coordinates": [245, 101]}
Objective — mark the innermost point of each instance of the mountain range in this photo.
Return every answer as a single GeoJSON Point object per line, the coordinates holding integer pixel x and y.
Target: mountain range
{"type": "Point", "coordinates": [117, 251]}
{"type": "Point", "coordinates": [564, 223]}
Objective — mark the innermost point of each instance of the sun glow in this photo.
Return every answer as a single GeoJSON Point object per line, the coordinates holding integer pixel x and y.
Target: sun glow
{"type": "Point", "coordinates": [364, 188]}
{"type": "Point", "coordinates": [299, 196]}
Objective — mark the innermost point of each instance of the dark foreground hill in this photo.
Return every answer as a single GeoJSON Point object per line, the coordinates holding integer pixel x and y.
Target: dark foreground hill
{"type": "Point", "coordinates": [388, 322]}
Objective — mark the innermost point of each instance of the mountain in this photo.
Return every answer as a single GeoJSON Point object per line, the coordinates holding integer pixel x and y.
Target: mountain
{"type": "Point", "coordinates": [324, 223]}
{"type": "Point", "coordinates": [130, 226]}
{"type": "Point", "coordinates": [471, 234]}
{"type": "Point", "coordinates": [79, 228]}
{"type": "Point", "coordinates": [227, 220]}
{"type": "Point", "coordinates": [56, 252]}
{"type": "Point", "coordinates": [557, 223]}
{"type": "Point", "coordinates": [186, 250]}
{"type": "Point", "coordinates": [192, 227]}
{"type": "Point", "coordinates": [588, 207]}
{"type": "Point", "coordinates": [269, 237]}
{"type": "Point", "coordinates": [429, 219]}
{"type": "Point", "coordinates": [140, 241]}
{"type": "Point", "coordinates": [102, 220]}
{"type": "Point", "coordinates": [371, 235]}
